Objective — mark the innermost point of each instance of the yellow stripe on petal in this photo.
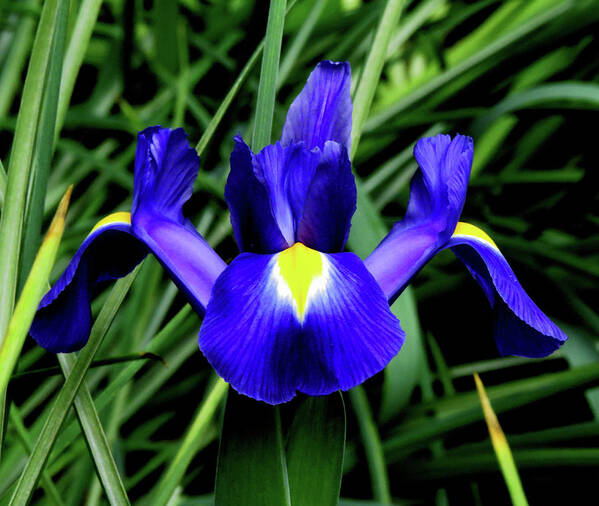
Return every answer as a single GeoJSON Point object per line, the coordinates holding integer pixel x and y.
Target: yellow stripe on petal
{"type": "Point", "coordinates": [120, 217]}
{"type": "Point", "coordinates": [471, 231]}
{"type": "Point", "coordinates": [299, 266]}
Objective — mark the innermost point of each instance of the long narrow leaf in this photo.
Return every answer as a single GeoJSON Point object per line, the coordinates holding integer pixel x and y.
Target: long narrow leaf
{"type": "Point", "coordinates": [33, 291]}
{"type": "Point", "coordinates": [96, 438]}
{"type": "Point", "coordinates": [28, 480]}
{"type": "Point", "coordinates": [315, 451]}
{"type": "Point", "coordinates": [502, 448]}
{"type": "Point", "coordinates": [22, 155]}
{"type": "Point", "coordinates": [265, 103]}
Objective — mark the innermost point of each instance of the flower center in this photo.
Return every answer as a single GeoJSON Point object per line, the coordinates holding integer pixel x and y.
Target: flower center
{"type": "Point", "coordinates": [299, 266]}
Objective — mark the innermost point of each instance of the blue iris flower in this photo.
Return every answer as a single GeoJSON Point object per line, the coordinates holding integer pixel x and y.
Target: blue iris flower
{"type": "Point", "coordinates": [293, 312]}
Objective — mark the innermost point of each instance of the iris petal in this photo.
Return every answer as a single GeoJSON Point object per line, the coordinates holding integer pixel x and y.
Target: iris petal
{"type": "Point", "coordinates": [166, 167]}
{"type": "Point", "coordinates": [521, 327]}
{"type": "Point", "coordinates": [254, 225]}
{"type": "Point", "coordinates": [329, 203]}
{"type": "Point", "coordinates": [437, 195]}
{"type": "Point", "coordinates": [323, 110]}
{"type": "Point", "coordinates": [299, 320]}
{"type": "Point", "coordinates": [63, 321]}
{"type": "Point", "coordinates": [438, 189]}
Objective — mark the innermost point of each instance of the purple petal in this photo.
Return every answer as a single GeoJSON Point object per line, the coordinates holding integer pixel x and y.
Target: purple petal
{"type": "Point", "coordinates": [521, 328]}
{"type": "Point", "coordinates": [254, 225]}
{"type": "Point", "coordinates": [63, 321]}
{"type": "Point", "coordinates": [437, 195]}
{"type": "Point", "coordinates": [400, 256]}
{"type": "Point", "coordinates": [330, 202]}
{"type": "Point", "coordinates": [299, 320]}
{"type": "Point", "coordinates": [438, 190]}
{"type": "Point", "coordinates": [165, 169]}
{"type": "Point", "coordinates": [323, 110]}
{"type": "Point", "coordinates": [286, 173]}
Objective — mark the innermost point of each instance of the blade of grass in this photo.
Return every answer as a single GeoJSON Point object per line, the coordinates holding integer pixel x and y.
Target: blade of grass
{"type": "Point", "coordinates": [95, 437]}
{"type": "Point", "coordinates": [372, 69]}
{"type": "Point", "coordinates": [17, 422]}
{"type": "Point", "coordinates": [23, 154]}
{"type": "Point", "coordinates": [34, 208]}
{"type": "Point", "coordinates": [372, 445]}
{"type": "Point", "coordinates": [32, 294]}
{"type": "Point", "coordinates": [12, 66]}
{"type": "Point", "coordinates": [224, 106]}
{"type": "Point", "coordinates": [502, 448]}
{"type": "Point", "coordinates": [267, 89]}
{"type": "Point", "coordinates": [73, 58]}
{"type": "Point", "coordinates": [28, 480]}
{"type": "Point", "coordinates": [2, 184]}
{"type": "Point", "coordinates": [171, 479]}
{"type": "Point", "coordinates": [298, 43]}
{"type": "Point", "coordinates": [53, 371]}
{"type": "Point", "coordinates": [486, 53]}
{"type": "Point", "coordinates": [463, 409]}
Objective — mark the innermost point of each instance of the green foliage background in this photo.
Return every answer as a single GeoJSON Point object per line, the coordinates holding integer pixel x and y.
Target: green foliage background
{"type": "Point", "coordinates": [521, 77]}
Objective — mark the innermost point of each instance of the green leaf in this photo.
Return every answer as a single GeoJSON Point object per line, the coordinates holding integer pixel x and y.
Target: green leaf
{"type": "Point", "coordinates": [267, 88]}
{"type": "Point", "coordinates": [34, 209]}
{"type": "Point", "coordinates": [373, 68]}
{"type": "Point", "coordinates": [47, 483]}
{"type": "Point", "coordinates": [404, 371]}
{"type": "Point", "coordinates": [463, 409]}
{"type": "Point", "coordinates": [251, 466]}
{"type": "Point", "coordinates": [167, 486]}
{"type": "Point", "coordinates": [502, 448]}
{"type": "Point", "coordinates": [96, 438]}
{"type": "Point", "coordinates": [28, 480]}
{"type": "Point", "coordinates": [569, 95]}
{"type": "Point", "coordinates": [73, 58]}
{"type": "Point", "coordinates": [372, 445]}
{"type": "Point", "coordinates": [315, 451]}
{"type": "Point", "coordinates": [12, 66]}
{"type": "Point", "coordinates": [33, 291]}
{"type": "Point", "coordinates": [23, 153]}
{"type": "Point", "coordinates": [478, 58]}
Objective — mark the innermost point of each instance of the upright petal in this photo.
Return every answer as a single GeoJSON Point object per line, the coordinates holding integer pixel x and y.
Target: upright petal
{"type": "Point", "coordinates": [329, 203]}
{"type": "Point", "coordinates": [166, 167]}
{"type": "Point", "coordinates": [299, 320]}
{"type": "Point", "coordinates": [323, 110]}
{"type": "Point", "coordinates": [438, 190]}
{"type": "Point", "coordinates": [63, 321]}
{"type": "Point", "coordinates": [521, 328]}
{"type": "Point", "coordinates": [254, 225]}
{"type": "Point", "coordinates": [286, 173]}
{"type": "Point", "coordinates": [437, 195]}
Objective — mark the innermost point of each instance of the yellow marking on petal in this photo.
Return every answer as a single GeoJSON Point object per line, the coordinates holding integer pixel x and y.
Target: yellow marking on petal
{"type": "Point", "coordinates": [299, 266]}
{"type": "Point", "coordinates": [467, 229]}
{"type": "Point", "coordinates": [120, 217]}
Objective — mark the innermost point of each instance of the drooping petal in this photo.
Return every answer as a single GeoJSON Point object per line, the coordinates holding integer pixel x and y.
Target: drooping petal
{"type": "Point", "coordinates": [323, 110]}
{"type": "Point", "coordinates": [63, 321]}
{"type": "Point", "coordinates": [298, 320]}
{"type": "Point", "coordinates": [254, 225]}
{"type": "Point", "coordinates": [330, 202]}
{"type": "Point", "coordinates": [166, 167]}
{"type": "Point", "coordinates": [437, 195]}
{"type": "Point", "coordinates": [521, 328]}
